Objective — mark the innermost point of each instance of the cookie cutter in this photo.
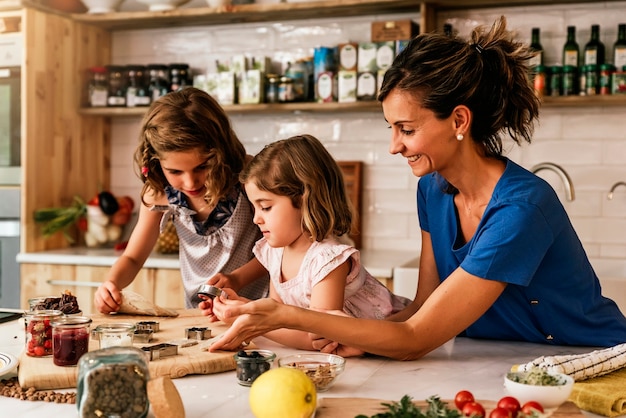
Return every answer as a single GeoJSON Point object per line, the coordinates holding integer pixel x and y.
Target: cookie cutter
{"type": "Point", "coordinates": [207, 291]}
{"type": "Point", "coordinates": [159, 351]}
{"type": "Point", "coordinates": [153, 325]}
{"type": "Point", "coordinates": [142, 335]}
{"type": "Point", "coordinates": [198, 333]}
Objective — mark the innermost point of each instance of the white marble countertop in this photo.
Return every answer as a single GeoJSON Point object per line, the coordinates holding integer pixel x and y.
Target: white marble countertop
{"type": "Point", "coordinates": [380, 263]}
{"type": "Point", "coordinates": [475, 365]}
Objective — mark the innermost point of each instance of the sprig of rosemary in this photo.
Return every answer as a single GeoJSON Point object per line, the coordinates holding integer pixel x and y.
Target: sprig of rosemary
{"type": "Point", "coordinates": [407, 409]}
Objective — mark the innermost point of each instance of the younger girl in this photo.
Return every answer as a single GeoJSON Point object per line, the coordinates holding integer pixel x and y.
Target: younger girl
{"type": "Point", "coordinates": [300, 206]}
{"type": "Point", "coordinates": [189, 160]}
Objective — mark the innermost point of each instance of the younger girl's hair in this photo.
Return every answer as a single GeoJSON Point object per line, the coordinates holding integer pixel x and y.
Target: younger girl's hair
{"type": "Point", "coordinates": [189, 120]}
{"type": "Point", "coordinates": [302, 169]}
{"type": "Point", "coordinates": [489, 74]}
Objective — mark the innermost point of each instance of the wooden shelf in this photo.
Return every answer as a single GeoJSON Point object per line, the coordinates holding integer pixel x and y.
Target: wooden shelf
{"type": "Point", "coordinates": [369, 106]}
{"type": "Point", "coordinates": [476, 4]}
{"type": "Point", "coordinates": [246, 13]}
{"type": "Point", "coordinates": [264, 108]}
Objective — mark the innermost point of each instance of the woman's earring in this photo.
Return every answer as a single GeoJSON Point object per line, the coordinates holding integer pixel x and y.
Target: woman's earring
{"type": "Point", "coordinates": [459, 137]}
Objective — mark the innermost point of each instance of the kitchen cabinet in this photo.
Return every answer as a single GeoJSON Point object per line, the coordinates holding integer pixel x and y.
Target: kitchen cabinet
{"type": "Point", "coordinates": [162, 286]}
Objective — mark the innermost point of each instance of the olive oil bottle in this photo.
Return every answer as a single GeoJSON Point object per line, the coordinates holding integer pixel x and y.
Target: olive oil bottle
{"type": "Point", "coordinates": [570, 48]}
{"type": "Point", "coordinates": [594, 49]}
{"type": "Point", "coordinates": [619, 48]}
{"type": "Point", "coordinates": [535, 45]}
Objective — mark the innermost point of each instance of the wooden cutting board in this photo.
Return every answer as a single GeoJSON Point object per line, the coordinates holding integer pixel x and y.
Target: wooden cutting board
{"type": "Point", "coordinates": [351, 407]}
{"type": "Point", "coordinates": [42, 374]}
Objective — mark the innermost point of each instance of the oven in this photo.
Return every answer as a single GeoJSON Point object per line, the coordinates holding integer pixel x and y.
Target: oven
{"type": "Point", "coordinates": [10, 108]}
{"type": "Point", "coordinates": [9, 247]}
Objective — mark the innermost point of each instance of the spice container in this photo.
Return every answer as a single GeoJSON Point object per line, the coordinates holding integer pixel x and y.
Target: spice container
{"type": "Point", "coordinates": [39, 331]}
{"type": "Point", "coordinates": [606, 78]}
{"type": "Point", "coordinates": [97, 87]}
{"type": "Point", "coordinates": [179, 76]}
{"type": "Point", "coordinates": [591, 80]}
{"type": "Point", "coordinates": [117, 86]}
{"type": "Point", "coordinates": [570, 82]}
{"type": "Point", "coordinates": [285, 90]}
{"type": "Point", "coordinates": [70, 339]}
{"type": "Point", "coordinates": [271, 88]}
{"type": "Point", "coordinates": [159, 83]}
{"type": "Point", "coordinates": [556, 80]}
{"type": "Point", "coordinates": [251, 364]}
{"type": "Point", "coordinates": [137, 91]}
{"type": "Point", "coordinates": [540, 81]}
{"type": "Point", "coordinates": [113, 383]}
{"type": "Point", "coordinates": [115, 334]}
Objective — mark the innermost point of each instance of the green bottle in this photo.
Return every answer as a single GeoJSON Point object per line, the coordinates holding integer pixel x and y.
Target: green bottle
{"type": "Point", "coordinates": [535, 45]}
{"type": "Point", "coordinates": [619, 48]}
{"type": "Point", "coordinates": [570, 48]}
{"type": "Point", "coordinates": [594, 49]}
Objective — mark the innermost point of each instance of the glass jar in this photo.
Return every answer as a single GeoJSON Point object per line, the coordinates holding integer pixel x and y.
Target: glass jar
{"type": "Point", "coordinates": [137, 91]}
{"type": "Point", "coordinates": [117, 86]}
{"type": "Point", "coordinates": [570, 82]}
{"type": "Point", "coordinates": [540, 81]}
{"type": "Point", "coordinates": [271, 88]}
{"type": "Point", "coordinates": [591, 80]}
{"type": "Point", "coordinates": [606, 78]}
{"type": "Point", "coordinates": [113, 383]}
{"type": "Point", "coordinates": [285, 90]}
{"type": "Point", "coordinates": [70, 339]}
{"type": "Point", "coordinates": [115, 334]}
{"type": "Point", "coordinates": [97, 87]}
{"type": "Point", "coordinates": [38, 327]}
{"type": "Point", "coordinates": [556, 80]}
{"type": "Point", "coordinates": [179, 76]}
{"type": "Point", "coordinates": [251, 364]}
{"type": "Point", "coordinates": [159, 81]}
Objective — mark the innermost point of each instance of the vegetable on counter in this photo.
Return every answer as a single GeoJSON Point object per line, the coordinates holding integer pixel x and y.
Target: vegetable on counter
{"type": "Point", "coordinates": [407, 409]}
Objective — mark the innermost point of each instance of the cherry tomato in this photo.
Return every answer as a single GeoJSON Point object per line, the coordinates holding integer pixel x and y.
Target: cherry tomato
{"type": "Point", "coordinates": [500, 412]}
{"type": "Point", "coordinates": [531, 407]}
{"type": "Point", "coordinates": [473, 409]}
{"type": "Point", "coordinates": [462, 398]}
{"type": "Point", "coordinates": [39, 351]}
{"type": "Point", "coordinates": [511, 404]}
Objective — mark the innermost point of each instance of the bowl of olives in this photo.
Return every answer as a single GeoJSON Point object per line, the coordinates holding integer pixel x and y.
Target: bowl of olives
{"type": "Point", "coordinates": [251, 364]}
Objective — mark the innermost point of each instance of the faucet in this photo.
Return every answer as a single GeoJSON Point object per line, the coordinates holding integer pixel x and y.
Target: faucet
{"type": "Point", "coordinates": [615, 186]}
{"type": "Point", "coordinates": [567, 181]}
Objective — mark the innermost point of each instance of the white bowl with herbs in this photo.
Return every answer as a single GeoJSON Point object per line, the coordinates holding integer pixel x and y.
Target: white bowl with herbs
{"type": "Point", "coordinates": [547, 388]}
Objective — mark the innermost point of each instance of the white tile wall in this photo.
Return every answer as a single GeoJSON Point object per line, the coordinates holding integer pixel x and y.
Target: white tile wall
{"type": "Point", "coordinates": [589, 142]}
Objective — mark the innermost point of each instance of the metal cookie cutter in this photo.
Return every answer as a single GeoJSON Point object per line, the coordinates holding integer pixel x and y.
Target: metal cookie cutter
{"type": "Point", "coordinates": [153, 325]}
{"type": "Point", "coordinates": [159, 351]}
{"type": "Point", "coordinates": [198, 333]}
{"type": "Point", "coordinates": [143, 335]}
{"type": "Point", "coordinates": [207, 291]}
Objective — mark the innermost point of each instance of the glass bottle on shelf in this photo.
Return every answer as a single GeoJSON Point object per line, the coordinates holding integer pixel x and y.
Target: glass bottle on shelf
{"type": "Point", "coordinates": [594, 49]}
{"type": "Point", "coordinates": [570, 48]}
{"type": "Point", "coordinates": [159, 81]}
{"type": "Point", "coordinates": [535, 45]}
{"type": "Point", "coordinates": [117, 86]}
{"type": "Point", "coordinates": [619, 48]}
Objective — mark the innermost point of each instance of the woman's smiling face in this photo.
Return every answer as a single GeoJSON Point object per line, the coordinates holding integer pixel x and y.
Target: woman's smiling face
{"type": "Point", "coordinates": [426, 142]}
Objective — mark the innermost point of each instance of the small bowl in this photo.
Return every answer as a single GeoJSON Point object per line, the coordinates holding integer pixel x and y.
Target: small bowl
{"type": "Point", "coordinates": [322, 369]}
{"type": "Point", "coordinates": [102, 6]}
{"type": "Point", "coordinates": [252, 364]}
{"type": "Point", "coordinates": [549, 396]}
{"type": "Point", "coordinates": [161, 5]}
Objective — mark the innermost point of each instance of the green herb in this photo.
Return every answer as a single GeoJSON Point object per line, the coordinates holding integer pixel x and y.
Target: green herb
{"type": "Point", "coordinates": [60, 219]}
{"type": "Point", "coordinates": [407, 409]}
{"type": "Point", "coordinates": [536, 376]}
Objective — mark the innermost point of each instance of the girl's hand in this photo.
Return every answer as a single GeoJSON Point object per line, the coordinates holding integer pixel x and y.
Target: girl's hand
{"type": "Point", "coordinates": [250, 320]}
{"type": "Point", "coordinates": [222, 281]}
{"type": "Point", "coordinates": [108, 298]}
{"type": "Point", "coordinates": [208, 305]}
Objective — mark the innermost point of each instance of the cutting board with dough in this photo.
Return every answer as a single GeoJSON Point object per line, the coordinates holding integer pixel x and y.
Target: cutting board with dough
{"type": "Point", "coordinates": [351, 407]}
{"type": "Point", "coordinates": [42, 374]}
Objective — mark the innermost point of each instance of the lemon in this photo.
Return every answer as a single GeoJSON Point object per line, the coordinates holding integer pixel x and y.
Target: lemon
{"type": "Point", "coordinates": [283, 393]}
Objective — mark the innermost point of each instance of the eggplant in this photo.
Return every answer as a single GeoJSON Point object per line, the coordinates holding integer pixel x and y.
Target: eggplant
{"type": "Point", "coordinates": [108, 203]}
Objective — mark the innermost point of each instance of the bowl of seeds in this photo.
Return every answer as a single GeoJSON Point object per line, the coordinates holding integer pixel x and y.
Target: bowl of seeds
{"type": "Point", "coordinates": [322, 369]}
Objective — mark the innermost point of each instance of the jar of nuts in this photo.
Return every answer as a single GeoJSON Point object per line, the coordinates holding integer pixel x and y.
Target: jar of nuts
{"type": "Point", "coordinates": [112, 382]}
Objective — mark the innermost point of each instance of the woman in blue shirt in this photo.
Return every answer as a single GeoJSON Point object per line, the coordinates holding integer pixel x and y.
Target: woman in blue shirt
{"type": "Point", "coordinates": [500, 258]}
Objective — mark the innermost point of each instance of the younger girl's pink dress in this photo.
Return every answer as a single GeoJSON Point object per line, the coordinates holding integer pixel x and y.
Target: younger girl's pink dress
{"type": "Point", "coordinates": [365, 297]}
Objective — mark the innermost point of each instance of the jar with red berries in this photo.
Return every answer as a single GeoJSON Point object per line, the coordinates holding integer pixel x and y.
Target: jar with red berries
{"type": "Point", "coordinates": [38, 325]}
{"type": "Point", "coordinates": [70, 339]}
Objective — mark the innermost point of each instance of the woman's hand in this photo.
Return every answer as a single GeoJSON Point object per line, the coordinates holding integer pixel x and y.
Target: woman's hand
{"type": "Point", "coordinates": [251, 319]}
{"type": "Point", "coordinates": [324, 345]}
{"type": "Point", "coordinates": [108, 298]}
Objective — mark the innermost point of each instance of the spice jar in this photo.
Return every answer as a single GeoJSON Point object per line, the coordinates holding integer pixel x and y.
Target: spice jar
{"type": "Point", "coordinates": [540, 81]}
{"type": "Point", "coordinates": [179, 76]}
{"type": "Point", "coordinates": [159, 81]}
{"type": "Point", "coordinates": [271, 88]}
{"type": "Point", "coordinates": [115, 334]}
{"type": "Point", "coordinates": [70, 339]}
{"type": "Point", "coordinates": [117, 86]}
{"type": "Point", "coordinates": [137, 91]}
{"type": "Point", "coordinates": [113, 383]}
{"type": "Point", "coordinates": [97, 87]}
{"type": "Point", "coordinates": [285, 90]}
{"type": "Point", "coordinates": [570, 82]}
{"type": "Point", "coordinates": [606, 78]}
{"type": "Point", "coordinates": [39, 331]}
{"type": "Point", "coordinates": [556, 80]}
{"type": "Point", "coordinates": [591, 80]}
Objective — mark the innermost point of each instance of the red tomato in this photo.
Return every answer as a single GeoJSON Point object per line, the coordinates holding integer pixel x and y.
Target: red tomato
{"type": "Point", "coordinates": [462, 398]}
{"type": "Point", "coordinates": [531, 407]}
{"type": "Point", "coordinates": [473, 409]}
{"type": "Point", "coordinates": [509, 403]}
{"type": "Point", "coordinates": [499, 412]}
{"type": "Point", "coordinates": [39, 351]}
